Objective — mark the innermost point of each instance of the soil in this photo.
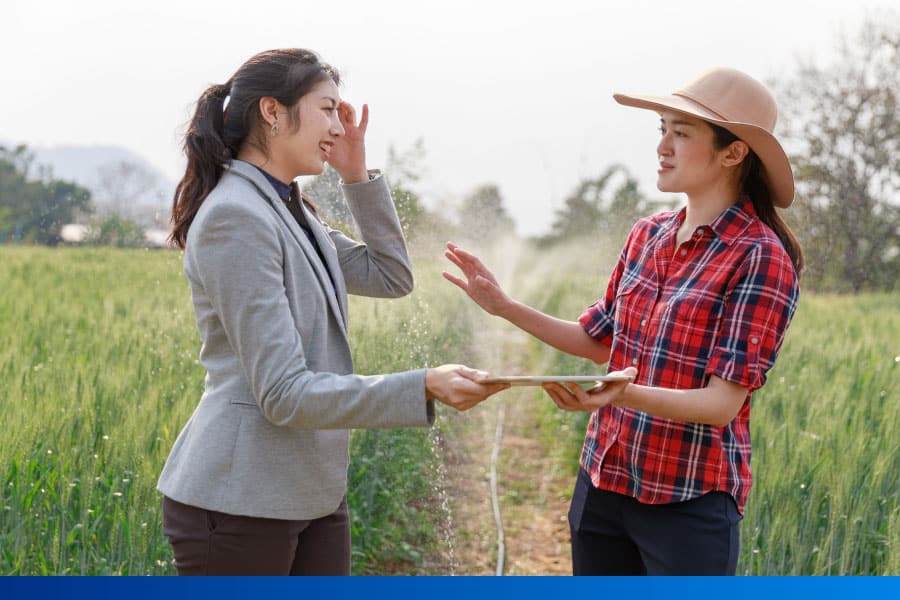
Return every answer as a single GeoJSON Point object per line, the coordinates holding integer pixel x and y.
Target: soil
{"type": "Point", "coordinates": [534, 492]}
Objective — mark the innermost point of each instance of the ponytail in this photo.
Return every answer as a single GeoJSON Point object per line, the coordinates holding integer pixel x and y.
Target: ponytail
{"type": "Point", "coordinates": [753, 183]}
{"type": "Point", "coordinates": [218, 132]}
{"type": "Point", "coordinates": [206, 154]}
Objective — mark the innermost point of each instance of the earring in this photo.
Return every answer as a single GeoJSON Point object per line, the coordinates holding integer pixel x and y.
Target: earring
{"type": "Point", "coordinates": [274, 128]}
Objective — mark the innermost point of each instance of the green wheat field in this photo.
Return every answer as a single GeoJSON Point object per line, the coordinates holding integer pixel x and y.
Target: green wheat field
{"type": "Point", "coordinates": [99, 371]}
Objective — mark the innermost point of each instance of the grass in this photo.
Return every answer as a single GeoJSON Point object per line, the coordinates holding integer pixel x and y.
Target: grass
{"type": "Point", "coordinates": [99, 372]}
{"type": "Point", "coordinates": [826, 456]}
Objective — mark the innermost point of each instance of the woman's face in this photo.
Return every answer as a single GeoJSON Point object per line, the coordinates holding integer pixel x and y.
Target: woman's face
{"type": "Point", "coordinates": [305, 150]}
{"type": "Point", "coordinates": [686, 155]}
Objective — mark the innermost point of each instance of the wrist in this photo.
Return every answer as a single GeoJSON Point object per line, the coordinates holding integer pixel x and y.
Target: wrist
{"type": "Point", "coordinates": [429, 382]}
{"type": "Point", "coordinates": [510, 310]}
{"type": "Point", "coordinates": [358, 175]}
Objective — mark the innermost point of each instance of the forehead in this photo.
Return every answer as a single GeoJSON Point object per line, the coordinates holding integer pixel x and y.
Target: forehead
{"type": "Point", "coordinates": [325, 90]}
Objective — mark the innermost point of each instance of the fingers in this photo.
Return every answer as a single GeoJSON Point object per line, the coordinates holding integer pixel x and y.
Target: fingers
{"type": "Point", "coordinates": [566, 398]}
{"type": "Point", "coordinates": [364, 119]}
{"type": "Point", "coordinates": [471, 374]}
{"type": "Point", "coordinates": [456, 281]}
{"type": "Point", "coordinates": [469, 257]}
{"type": "Point", "coordinates": [347, 113]}
{"type": "Point", "coordinates": [454, 259]}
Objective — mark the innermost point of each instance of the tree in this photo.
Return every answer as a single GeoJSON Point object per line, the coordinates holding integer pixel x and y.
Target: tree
{"type": "Point", "coordinates": [325, 191]}
{"type": "Point", "coordinates": [606, 206]}
{"type": "Point", "coordinates": [114, 230]}
{"type": "Point", "coordinates": [482, 216]}
{"type": "Point", "coordinates": [36, 208]}
{"type": "Point", "coordinates": [843, 121]}
{"type": "Point", "coordinates": [404, 170]}
{"type": "Point", "coordinates": [122, 186]}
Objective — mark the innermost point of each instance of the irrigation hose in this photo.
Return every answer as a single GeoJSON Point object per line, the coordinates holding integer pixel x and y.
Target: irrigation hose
{"type": "Point", "coordinates": [495, 498]}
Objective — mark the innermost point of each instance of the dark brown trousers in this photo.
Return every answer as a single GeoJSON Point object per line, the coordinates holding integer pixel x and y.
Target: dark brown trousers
{"type": "Point", "coordinates": [206, 542]}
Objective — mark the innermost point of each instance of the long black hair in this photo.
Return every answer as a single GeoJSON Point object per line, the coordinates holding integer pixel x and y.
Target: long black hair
{"type": "Point", "coordinates": [753, 184]}
{"type": "Point", "coordinates": [217, 132]}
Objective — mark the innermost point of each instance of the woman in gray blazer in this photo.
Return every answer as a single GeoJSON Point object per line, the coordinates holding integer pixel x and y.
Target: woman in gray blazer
{"type": "Point", "coordinates": [256, 481]}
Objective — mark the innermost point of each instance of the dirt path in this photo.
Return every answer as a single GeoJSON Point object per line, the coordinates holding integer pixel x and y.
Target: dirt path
{"type": "Point", "coordinates": [533, 491]}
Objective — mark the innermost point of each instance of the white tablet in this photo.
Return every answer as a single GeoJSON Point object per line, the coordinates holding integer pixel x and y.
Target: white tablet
{"type": "Point", "coordinates": [585, 381]}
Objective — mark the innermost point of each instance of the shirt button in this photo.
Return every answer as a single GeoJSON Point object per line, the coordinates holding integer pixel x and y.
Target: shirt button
{"type": "Point", "coordinates": [754, 340]}
{"type": "Point", "coordinates": [643, 322]}
{"type": "Point", "coordinates": [684, 252]}
{"type": "Point", "coordinates": [634, 361]}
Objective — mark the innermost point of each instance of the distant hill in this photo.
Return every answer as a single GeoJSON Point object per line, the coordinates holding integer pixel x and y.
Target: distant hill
{"type": "Point", "coordinates": [82, 165]}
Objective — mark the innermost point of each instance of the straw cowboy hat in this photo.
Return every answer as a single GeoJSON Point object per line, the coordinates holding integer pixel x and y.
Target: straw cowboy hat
{"type": "Point", "coordinates": [740, 104]}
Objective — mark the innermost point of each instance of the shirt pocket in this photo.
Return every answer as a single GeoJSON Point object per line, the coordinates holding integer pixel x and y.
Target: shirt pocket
{"type": "Point", "coordinates": [692, 319]}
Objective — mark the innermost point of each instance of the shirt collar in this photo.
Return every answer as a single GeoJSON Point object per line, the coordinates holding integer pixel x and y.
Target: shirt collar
{"type": "Point", "coordinates": [734, 220]}
{"type": "Point", "coordinates": [282, 189]}
{"type": "Point", "coordinates": [729, 225]}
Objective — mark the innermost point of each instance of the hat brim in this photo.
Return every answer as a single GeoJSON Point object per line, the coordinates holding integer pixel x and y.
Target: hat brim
{"type": "Point", "coordinates": [775, 163]}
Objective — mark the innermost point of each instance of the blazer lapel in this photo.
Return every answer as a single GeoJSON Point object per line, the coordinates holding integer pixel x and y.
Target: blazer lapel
{"type": "Point", "coordinates": [332, 290]}
{"type": "Point", "coordinates": [329, 252]}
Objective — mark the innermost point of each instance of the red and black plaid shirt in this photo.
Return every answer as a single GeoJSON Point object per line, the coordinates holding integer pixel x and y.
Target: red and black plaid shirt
{"type": "Point", "coordinates": [717, 305]}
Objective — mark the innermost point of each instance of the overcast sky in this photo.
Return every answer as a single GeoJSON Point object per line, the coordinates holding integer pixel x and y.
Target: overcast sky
{"type": "Point", "coordinates": [512, 93]}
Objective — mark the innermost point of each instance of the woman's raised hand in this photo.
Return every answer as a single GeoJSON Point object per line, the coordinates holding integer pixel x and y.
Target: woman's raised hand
{"type": "Point", "coordinates": [348, 157]}
{"type": "Point", "coordinates": [458, 386]}
{"type": "Point", "coordinates": [479, 283]}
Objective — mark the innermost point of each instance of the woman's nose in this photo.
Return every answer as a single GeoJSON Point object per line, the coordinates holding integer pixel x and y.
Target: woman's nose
{"type": "Point", "coordinates": [663, 147]}
{"type": "Point", "coordinates": [337, 128]}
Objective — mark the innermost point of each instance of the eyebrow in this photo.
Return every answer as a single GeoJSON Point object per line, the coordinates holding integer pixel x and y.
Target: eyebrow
{"type": "Point", "coordinates": [333, 101]}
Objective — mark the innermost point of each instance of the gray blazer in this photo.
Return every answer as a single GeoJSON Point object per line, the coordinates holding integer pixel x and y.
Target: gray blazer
{"type": "Point", "coordinates": [270, 436]}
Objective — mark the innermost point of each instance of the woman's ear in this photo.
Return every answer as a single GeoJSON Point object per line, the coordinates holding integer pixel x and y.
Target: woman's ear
{"type": "Point", "coordinates": [735, 153]}
{"type": "Point", "coordinates": [268, 109]}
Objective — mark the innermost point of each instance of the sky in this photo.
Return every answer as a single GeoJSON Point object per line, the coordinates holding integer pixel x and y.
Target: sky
{"type": "Point", "coordinates": [518, 94]}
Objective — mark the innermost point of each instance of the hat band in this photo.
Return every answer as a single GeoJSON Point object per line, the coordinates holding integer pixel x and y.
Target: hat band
{"type": "Point", "coordinates": [702, 105]}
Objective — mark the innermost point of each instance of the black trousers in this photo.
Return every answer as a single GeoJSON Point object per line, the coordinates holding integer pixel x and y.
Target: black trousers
{"type": "Point", "coordinates": [207, 542]}
{"type": "Point", "coordinates": [614, 534]}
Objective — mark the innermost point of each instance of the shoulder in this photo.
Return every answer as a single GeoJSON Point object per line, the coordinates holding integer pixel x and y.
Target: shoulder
{"type": "Point", "coordinates": [766, 264]}
{"type": "Point", "coordinates": [233, 204]}
{"type": "Point", "coordinates": [650, 226]}
{"type": "Point", "coordinates": [764, 242]}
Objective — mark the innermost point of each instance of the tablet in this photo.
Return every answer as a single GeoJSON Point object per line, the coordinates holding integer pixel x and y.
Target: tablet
{"type": "Point", "coordinates": [585, 381]}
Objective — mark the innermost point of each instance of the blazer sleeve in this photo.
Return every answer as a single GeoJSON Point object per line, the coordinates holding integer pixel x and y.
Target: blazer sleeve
{"type": "Point", "coordinates": [379, 266]}
{"type": "Point", "coordinates": [236, 259]}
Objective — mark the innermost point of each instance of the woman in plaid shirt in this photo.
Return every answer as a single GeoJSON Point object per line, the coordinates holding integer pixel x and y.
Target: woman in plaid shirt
{"type": "Point", "coordinates": [695, 312]}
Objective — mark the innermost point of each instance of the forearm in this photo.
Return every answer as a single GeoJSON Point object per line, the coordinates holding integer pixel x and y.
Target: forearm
{"type": "Point", "coordinates": [380, 266]}
{"type": "Point", "coordinates": [567, 336]}
{"type": "Point", "coordinates": [717, 404]}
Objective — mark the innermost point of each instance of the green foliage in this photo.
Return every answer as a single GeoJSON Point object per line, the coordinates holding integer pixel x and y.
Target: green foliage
{"type": "Point", "coordinates": [100, 372]}
{"type": "Point", "coordinates": [34, 209]}
{"type": "Point", "coordinates": [404, 170]}
{"type": "Point", "coordinates": [325, 192]}
{"type": "Point", "coordinates": [482, 215]}
{"type": "Point", "coordinates": [844, 122]}
{"type": "Point", "coordinates": [596, 208]}
{"type": "Point", "coordinates": [397, 519]}
{"type": "Point", "coordinates": [98, 375]}
{"type": "Point", "coordinates": [114, 230]}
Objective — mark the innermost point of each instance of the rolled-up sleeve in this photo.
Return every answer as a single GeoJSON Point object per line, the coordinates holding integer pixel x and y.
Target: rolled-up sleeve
{"type": "Point", "coordinates": [762, 299]}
